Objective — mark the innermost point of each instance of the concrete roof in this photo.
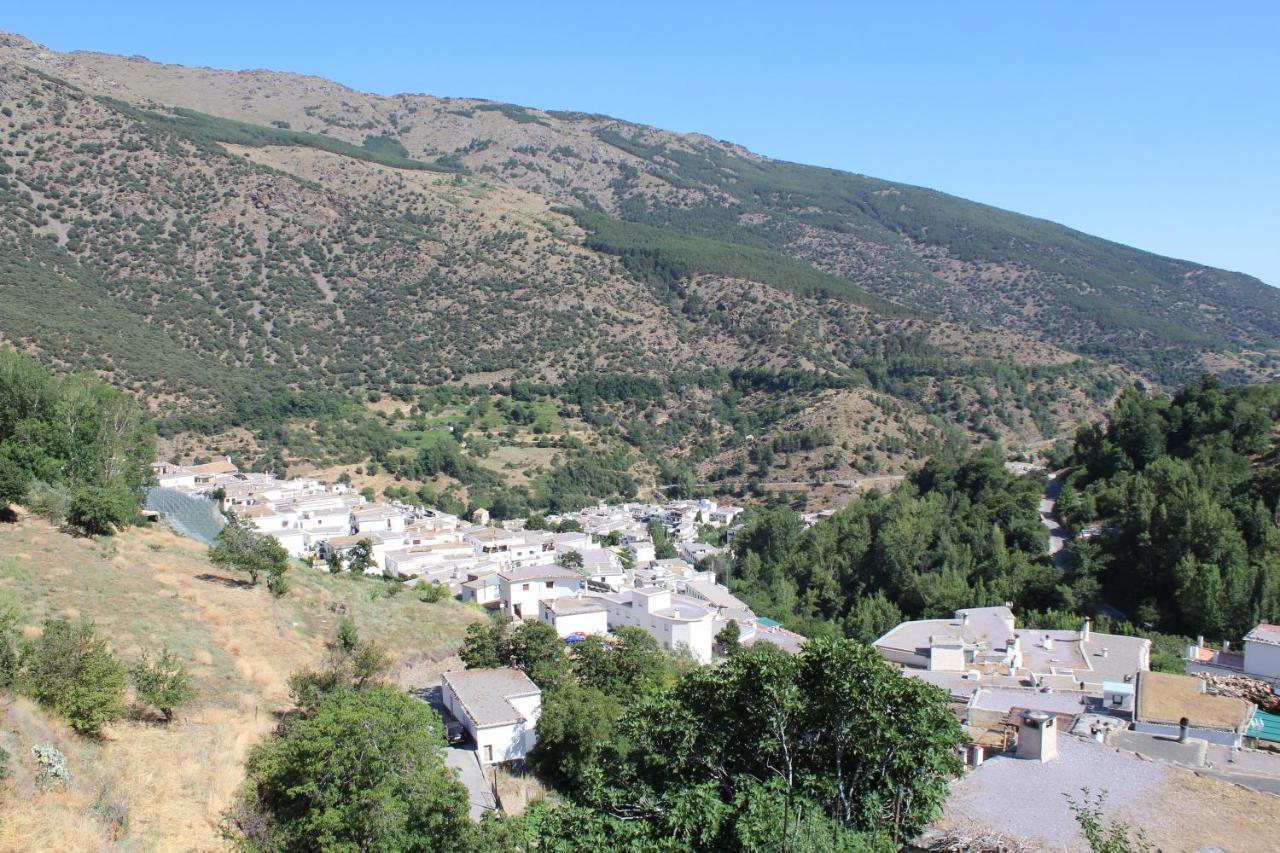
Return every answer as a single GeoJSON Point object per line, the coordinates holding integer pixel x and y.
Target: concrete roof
{"type": "Point", "coordinates": [485, 694]}
{"type": "Point", "coordinates": [789, 641]}
{"type": "Point", "coordinates": [987, 626]}
{"type": "Point", "coordinates": [538, 573]}
{"type": "Point", "coordinates": [1264, 633]}
{"type": "Point", "coordinates": [492, 535]}
{"type": "Point", "coordinates": [1003, 700]}
{"type": "Point", "coordinates": [222, 466]}
{"type": "Point", "coordinates": [1166, 698]}
{"type": "Point", "coordinates": [567, 605]}
{"type": "Point", "coordinates": [714, 594]}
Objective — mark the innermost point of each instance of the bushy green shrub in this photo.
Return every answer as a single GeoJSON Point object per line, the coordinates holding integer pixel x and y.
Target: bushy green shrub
{"type": "Point", "coordinates": [70, 670]}
{"type": "Point", "coordinates": [162, 681]}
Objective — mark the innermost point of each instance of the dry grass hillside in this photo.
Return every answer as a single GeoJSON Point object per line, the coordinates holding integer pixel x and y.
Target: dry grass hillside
{"type": "Point", "coordinates": [148, 786]}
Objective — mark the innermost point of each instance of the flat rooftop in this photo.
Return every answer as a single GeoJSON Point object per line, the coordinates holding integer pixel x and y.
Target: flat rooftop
{"type": "Point", "coordinates": [1165, 698]}
{"type": "Point", "coordinates": [568, 605]}
{"type": "Point", "coordinates": [485, 694]}
{"type": "Point", "coordinates": [538, 573]}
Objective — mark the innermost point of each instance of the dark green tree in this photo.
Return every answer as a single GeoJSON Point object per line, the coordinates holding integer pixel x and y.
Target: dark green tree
{"type": "Point", "coordinates": [364, 772]}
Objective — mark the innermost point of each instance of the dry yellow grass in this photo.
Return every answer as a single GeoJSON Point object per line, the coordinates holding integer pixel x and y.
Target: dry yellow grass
{"type": "Point", "coordinates": [146, 588]}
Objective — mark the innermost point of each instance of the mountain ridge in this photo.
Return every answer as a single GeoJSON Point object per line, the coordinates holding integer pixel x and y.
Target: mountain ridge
{"type": "Point", "coordinates": [220, 233]}
{"type": "Point", "coordinates": [913, 245]}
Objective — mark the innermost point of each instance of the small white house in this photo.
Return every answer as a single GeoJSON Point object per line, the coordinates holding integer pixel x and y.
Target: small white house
{"type": "Point", "coordinates": [575, 615]}
{"type": "Point", "coordinates": [642, 553]}
{"type": "Point", "coordinates": [499, 708]}
{"type": "Point", "coordinates": [484, 588]}
{"type": "Point", "coordinates": [521, 589]}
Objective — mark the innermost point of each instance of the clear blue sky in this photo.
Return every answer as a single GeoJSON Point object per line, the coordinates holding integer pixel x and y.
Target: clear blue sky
{"type": "Point", "coordinates": [1152, 123]}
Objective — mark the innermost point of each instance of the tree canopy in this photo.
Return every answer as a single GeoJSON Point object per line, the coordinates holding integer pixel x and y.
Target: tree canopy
{"type": "Point", "coordinates": [82, 446]}
{"type": "Point", "coordinates": [365, 771]}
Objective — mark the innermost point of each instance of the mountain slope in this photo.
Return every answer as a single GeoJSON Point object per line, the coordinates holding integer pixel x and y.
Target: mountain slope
{"type": "Point", "coordinates": [968, 262]}
{"type": "Point", "coordinates": [267, 251]}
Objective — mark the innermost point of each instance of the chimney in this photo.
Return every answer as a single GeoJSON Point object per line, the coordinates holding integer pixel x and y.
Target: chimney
{"type": "Point", "coordinates": [1184, 726]}
{"type": "Point", "coordinates": [1048, 643]}
{"type": "Point", "coordinates": [964, 618]}
{"type": "Point", "coordinates": [1226, 645]}
{"type": "Point", "coordinates": [1084, 632]}
{"type": "Point", "coordinates": [1037, 736]}
{"type": "Point", "coordinates": [1200, 641]}
{"type": "Point", "coordinates": [1105, 651]}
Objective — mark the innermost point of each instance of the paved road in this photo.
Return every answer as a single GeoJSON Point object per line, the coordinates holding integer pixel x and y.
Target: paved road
{"type": "Point", "coordinates": [471, 774]}
{"type": "Point", "coordinates": [1050, 519]}
{"type": "Point", "coordinates": [860, 481]}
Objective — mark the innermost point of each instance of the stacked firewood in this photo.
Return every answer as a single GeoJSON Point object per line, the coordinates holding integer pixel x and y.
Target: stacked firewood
{"type": "Point", "coordinates": [1244, 687]}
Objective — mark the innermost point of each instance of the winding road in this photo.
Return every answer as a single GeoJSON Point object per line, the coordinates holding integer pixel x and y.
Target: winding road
{"type": "Point", "coordinates": [1049, 518]}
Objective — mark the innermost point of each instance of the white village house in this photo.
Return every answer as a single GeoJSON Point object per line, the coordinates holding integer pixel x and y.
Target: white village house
{"type": "Point", "coordinates": [499, 708]}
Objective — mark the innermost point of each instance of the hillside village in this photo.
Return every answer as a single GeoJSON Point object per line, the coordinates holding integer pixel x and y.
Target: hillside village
{"type": "Point", "coordinates": [570, 578]}
{"type": "Point", "coordinates": [404, 472]}
{"type": "Point", "coordinates": [1063, 699]}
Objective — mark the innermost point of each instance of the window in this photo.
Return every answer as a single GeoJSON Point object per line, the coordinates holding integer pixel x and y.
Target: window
{"type": "Point", "coordinates": [550, 584]}
{"type": "Point", "coordinates": [488, 752]}
{"type": "Point", "coordinates": [524, 587]}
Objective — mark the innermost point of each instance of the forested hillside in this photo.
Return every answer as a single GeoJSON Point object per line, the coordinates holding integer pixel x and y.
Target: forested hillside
{"type": "Point", "coordinates": [1173, 502]}
{"type": "Point", "coordinates": [1183, 495]}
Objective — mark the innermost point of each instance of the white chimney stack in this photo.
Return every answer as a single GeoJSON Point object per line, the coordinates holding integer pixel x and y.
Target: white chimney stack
{"type": "Point", "coordinates": [1084, 632]}
{"type": "Point", "coordinates": [1037, 736]}
{"type": "Point", "coordinates": [1048, 643]}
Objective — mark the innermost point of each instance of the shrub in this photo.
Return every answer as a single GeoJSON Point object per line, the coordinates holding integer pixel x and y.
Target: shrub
{"type": "Point", "coordinates": [70, 670]}
{"type": "Point", "coordinates": [432, 592]}
{"type": "Point", "coordinates": [97, 511]}
{"type": "Point", "coordinates": [163, 682]}
{"type": "Point", "coordinates": [50, 501]}
{"type": "Point", "coordinates": [9, 643]}
{"type": "Point", "coordinates": [14, 482]}
{"type": "Point", "coordinates": [51, 767]}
